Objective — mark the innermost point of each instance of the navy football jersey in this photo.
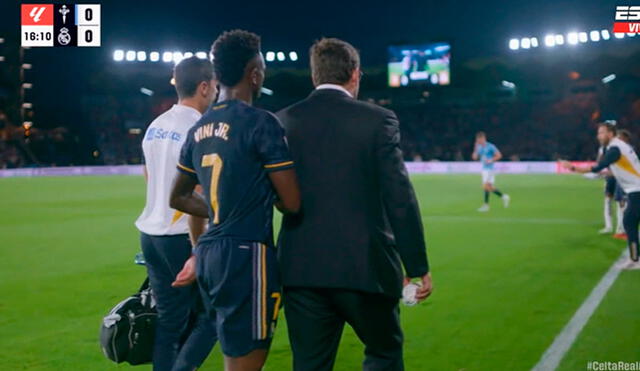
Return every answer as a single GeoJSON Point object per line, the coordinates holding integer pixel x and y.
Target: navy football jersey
{"type": "Point", "coordinates": [230, 150]}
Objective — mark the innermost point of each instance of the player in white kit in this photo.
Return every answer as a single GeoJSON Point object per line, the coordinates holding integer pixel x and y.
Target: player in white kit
{"type": "Point", "coordinates": [623, 162]}
{"type": "Point", "coordinates": [165, 232]}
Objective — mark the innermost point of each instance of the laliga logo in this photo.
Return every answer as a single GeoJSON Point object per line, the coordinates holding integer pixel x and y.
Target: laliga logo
{"type": "Point", "coordinates": [36, 13]}
{"type": "Point", "coordinates": [627, 19]}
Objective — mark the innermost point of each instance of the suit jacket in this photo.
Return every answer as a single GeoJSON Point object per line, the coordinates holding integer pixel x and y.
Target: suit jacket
{"type": "Point", "coordinates": [360, 218]}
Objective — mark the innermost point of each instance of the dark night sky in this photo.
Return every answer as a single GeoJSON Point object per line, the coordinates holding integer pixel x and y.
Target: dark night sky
{"type": "Point", "coordinates": [476, 28]}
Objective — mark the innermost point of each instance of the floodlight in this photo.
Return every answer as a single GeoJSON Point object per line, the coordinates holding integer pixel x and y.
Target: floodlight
{"type": "Point", "coordinates": [118, 55]}
{"type": "Point", "coordinates": [550, 41]}
{"type": "Point", "coordinates": [270, 57]}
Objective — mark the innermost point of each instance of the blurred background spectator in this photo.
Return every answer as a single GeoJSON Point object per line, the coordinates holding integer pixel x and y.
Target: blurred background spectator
{"type": "Point", "coordinates": [549, 113]}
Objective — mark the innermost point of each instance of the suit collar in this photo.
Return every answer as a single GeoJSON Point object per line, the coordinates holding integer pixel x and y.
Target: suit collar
{"type": "Point", "coordinates": [334, 87]}
{"type": "Point", "coordinates": [329, 93]}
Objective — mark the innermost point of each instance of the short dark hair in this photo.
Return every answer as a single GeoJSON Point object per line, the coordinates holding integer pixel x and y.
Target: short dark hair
{"type": "Point", "coordinates": [481, 134]}
{"type": "Point", "coordinates": [625, 135]}
{"type": "Point", "coordinates": [610, 126]}
{"type": "Point", "coordinates": [189, 73]}
{"type": "Point", "coordinates": [333, 61]}
{"type": "Point", "coordinates": [232, 51]}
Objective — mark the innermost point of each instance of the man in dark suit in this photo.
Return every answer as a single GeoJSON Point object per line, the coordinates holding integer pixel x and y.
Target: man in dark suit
{"type": "Point", "coordinates": [341, 258]}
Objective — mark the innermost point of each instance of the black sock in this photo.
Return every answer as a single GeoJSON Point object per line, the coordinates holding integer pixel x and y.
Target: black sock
{"type": "Point", "coordinates": [630, 221]}
{"type": "Point", "coordinates": [486, 197]}
{"type": "Point", "coordinates": [497, 192]}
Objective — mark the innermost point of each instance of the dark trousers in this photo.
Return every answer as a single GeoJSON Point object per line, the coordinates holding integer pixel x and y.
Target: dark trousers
{"type": "Point", "coordinates": [178, 346]}
{"type": "Point", "coordinates": [316, 318]}
{"type": "Point", "coordinates": [630, 221]}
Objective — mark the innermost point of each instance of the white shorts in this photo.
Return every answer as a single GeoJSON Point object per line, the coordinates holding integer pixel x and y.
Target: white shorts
{"type": "Point", "coordinates": [488, 176]}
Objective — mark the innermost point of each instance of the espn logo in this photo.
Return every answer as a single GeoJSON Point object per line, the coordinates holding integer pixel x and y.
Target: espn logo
{"type": "Point", "coordinates": [629, 14]}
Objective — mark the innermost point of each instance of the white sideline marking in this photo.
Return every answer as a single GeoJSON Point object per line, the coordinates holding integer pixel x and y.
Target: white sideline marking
{"type": "Point", "coordinates": [565, 339]}
{"type": "Point", "coordinates": [501, 220]}
{"type": "Point", "coordinates": [629, 265]}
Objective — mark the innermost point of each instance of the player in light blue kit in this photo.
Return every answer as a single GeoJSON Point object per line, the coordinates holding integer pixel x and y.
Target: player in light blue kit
{"type": "Point", "coordinates": [488, 154]}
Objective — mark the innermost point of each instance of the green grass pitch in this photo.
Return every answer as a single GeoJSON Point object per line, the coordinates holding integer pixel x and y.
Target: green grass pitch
{"type": "Point", "coordinates": [506, 282]}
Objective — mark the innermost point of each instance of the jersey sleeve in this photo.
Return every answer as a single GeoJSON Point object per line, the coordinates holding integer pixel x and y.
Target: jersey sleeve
{"type": "Point", "coordinates": [185, 163]}
{"type": "Point", "coordinates": [270, 143]}
{"type": "Point", "coordinates": [611, 155]}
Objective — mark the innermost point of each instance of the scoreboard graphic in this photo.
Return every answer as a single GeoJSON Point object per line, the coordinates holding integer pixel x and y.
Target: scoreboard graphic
{"type": "Point", "coordinates": [60, 25]}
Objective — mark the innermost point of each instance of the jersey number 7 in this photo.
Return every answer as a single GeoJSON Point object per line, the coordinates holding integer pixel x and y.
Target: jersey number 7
{"type": "Point", "coordinates": [215, 161]}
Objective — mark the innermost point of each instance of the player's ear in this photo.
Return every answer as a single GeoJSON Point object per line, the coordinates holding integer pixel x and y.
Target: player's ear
{"type": "Point", "coordinates": [355, 75]}
{"type": "Point", "coordinates": [255, 76]}
{"type": "Point", "coordinates": [203, 88]}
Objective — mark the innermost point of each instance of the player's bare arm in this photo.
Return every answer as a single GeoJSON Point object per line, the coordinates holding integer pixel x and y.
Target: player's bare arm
{"type": "Point", "coordinates": [611, 156]}
{"type": "Point", "coordinates": [497, 157]}
{"type": "Point", "coordinates": [184, 198]}
{"type": "Point", "coordinates": [197, 225]}
{"type": "Point", "coordinates": [187, 275]}
{"type": "Point", "coordinates": [576, 169]}
{"type": "Point", "coordinates": [286, 186]}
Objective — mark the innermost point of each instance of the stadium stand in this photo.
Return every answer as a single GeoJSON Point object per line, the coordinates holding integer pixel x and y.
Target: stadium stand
{"type": "Point", "coordinates": [536, 121]}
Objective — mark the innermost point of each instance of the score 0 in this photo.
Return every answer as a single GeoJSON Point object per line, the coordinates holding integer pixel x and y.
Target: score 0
{"type": "Point", "coordinates": [88, 23]}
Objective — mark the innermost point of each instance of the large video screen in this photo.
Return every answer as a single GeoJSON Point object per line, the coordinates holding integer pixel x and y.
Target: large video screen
{"type": "Point", "coordinates": [424, 64]}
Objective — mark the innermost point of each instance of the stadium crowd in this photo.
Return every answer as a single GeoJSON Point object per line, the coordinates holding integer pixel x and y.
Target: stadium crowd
{"type": "Point", "coordinates": [22, 146]}
{"type": "Point", "coordinates": [530, 131]}
{"type": "Point", "coordinates": [434, 128]}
